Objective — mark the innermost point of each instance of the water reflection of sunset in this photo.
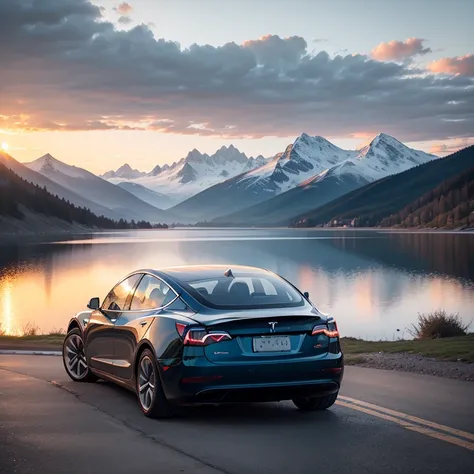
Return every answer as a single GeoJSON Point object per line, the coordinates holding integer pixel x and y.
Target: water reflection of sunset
{"type": "Point", "coordinates": [444, 292]}
{"type": "Point", "coordinates": [381, 298]}
{"type": "Point", "coordinates": [364, 288]}
{"type": "Point", "coordinates": [6, 323]}
{"type": "Point", "coordinates": [44, 298]}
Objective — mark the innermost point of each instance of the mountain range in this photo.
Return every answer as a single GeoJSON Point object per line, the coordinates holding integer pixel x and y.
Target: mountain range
{"type": "Point", "coordinates": [228, 188]}
{"type": "Point", "coordinates": [392, 199]}
{"type": "Point", "coordinates": [189, 176]}
{"type": "Point", "coordinates": [84, 189]}
{"type": "Point", "coordinates": [308, 174]}
{"type": "Point", "coordinates": [119, 201]}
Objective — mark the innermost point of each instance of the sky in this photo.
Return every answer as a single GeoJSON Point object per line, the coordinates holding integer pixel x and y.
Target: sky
{"type": "Point", "coordinates": [145, 81]}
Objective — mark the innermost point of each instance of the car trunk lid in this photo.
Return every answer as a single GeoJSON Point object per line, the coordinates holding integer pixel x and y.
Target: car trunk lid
{"type": "Point", "coordinates": [260, 339]}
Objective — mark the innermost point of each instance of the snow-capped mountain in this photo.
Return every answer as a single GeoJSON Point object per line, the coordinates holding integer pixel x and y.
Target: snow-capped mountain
{"type": "Point", "coordinates": [383, 156]}
{"type": "Point", "coordinates": [301, 160]}
{"type": "Point", "coordinates": [194, 173]}
{"type": "Point", "coordinates": [304, 158]}
{"type": "Point", "coordinates": [125, 172]}
{"type": "Point", "coordinates": [118, 202]}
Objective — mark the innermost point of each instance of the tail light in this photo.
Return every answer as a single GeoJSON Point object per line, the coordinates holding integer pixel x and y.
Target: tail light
{"type": "Point", "coordinates": [329, 330]}
{"type": "Point", "coordinates": [180, 327]}
{"type": "Point", "coordinates": [198, 336]}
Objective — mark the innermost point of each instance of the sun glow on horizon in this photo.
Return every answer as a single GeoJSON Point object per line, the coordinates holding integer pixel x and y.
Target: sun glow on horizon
{"type": "Point", "coordinates": [4, 146]}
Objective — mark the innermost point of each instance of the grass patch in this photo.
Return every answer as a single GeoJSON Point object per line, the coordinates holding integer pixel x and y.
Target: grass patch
{"type": "Point", "coordinates": [32, 339]}
{"type": "Point", "coordinates": [438, 324]}
{"type": "Point", "coordinates": [449, 348]}
{"type": "Point", "coordinates": [41, 342]}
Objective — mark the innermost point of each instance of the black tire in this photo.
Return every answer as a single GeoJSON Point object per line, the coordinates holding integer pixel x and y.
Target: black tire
{"type": "Point", "coordinates": [76, 365]}
{"type": "Point", "coordinates": [151, 399]}
{"type": "Point", "coordinates": [315, 403]}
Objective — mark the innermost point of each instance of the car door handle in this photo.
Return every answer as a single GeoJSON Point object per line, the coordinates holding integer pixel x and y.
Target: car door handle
{"type": "Point", "coordinates": [143, 323]}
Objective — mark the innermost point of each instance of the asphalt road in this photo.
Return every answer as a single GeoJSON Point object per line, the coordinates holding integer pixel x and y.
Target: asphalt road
{"type": "Point", "coordinates": [384, 422]}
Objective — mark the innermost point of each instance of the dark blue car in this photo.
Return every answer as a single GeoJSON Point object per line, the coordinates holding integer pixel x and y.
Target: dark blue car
{"type": "Point", "coordinates": [207, 334]}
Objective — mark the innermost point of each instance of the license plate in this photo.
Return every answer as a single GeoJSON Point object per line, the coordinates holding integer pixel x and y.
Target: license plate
{"type": "Point", "coordinates": [272, 344]}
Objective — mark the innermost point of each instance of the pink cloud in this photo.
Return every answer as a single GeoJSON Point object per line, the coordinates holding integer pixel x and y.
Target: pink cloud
{"type": "Point", "coordinates": [451, 146]}
{"type": "Point", "coordinates": [462, 65]}
{"type": "Point", "coordinates": [439, 149]}
{"type": "Point", "coordinates": [399, 50]}
{"type": "Point", "coordinates": [124, 9]}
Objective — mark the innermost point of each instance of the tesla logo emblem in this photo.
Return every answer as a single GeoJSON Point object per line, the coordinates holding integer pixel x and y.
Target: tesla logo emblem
{"type": "Point", "coordinates": [272, 325]}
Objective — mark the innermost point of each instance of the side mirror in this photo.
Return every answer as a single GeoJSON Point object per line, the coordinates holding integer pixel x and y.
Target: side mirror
{"type": "Point", "coordinates": [94, 303]}
{"type": "Point", "coordinates": [306, 295]}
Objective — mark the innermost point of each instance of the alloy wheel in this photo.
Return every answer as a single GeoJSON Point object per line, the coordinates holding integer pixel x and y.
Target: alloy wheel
{"type": "Point", "coordinates": [74, 357]}
{"type": "Point", "coordinates": [146, 383]}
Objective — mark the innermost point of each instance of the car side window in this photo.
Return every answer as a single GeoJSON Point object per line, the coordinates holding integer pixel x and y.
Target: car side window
{"type": "Point", "coordinates": [116, 300]}
{"type": "Point", "coordinates": [151, 293]}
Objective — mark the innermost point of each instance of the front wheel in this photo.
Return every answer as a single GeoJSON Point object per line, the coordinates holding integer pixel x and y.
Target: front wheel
{"type": "Point", "coordinates": [315, 403]}
{"type": "Point", "coordinates": [74, 358]}
{"type": "Point", "coordinates": [150, 394]}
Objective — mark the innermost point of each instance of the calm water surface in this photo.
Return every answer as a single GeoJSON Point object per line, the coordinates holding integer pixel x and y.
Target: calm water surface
{"type": "Point", "coordinates": [374, 283]}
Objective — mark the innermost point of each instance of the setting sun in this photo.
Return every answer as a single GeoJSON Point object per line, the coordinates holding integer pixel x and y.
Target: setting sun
{"type": "Point", "coordinates": [4, 146]}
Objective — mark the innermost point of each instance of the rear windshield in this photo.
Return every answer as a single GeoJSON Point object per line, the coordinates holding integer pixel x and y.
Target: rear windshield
{"type": "Point", "coordinates": [245, 292]}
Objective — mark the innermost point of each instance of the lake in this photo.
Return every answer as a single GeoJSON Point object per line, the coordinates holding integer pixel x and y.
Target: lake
{"type": "Point", "coordinates": [373, 282]}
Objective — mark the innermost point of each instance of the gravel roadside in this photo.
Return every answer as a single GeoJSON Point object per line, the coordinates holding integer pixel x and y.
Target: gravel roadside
{"type": "Point", "coordinates": [414, 363]}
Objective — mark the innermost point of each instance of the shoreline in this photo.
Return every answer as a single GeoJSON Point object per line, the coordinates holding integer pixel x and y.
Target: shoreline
{"type": "Point", "coordinates": [40, 236]}
{"type": "Point", "coordinates": [49, 236]}
{"type": "Point", "coordinates": [449, 358]}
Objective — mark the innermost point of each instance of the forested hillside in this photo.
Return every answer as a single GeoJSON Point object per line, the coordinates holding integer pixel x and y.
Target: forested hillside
{"type": "Point", "coordinates": [451, 204]}
{"type": "Point", "coordinates": [370, 205]}
{"type": "Point", "coordinates": [19, 198]}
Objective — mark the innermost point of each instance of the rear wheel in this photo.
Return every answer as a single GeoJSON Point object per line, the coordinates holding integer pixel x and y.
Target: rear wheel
{"type": "Point", "coordinates": [150, 394]}
{"type": "Point", "coordinates": [315, 403]}
{"type": "Point", "coordinates": [74, 358]}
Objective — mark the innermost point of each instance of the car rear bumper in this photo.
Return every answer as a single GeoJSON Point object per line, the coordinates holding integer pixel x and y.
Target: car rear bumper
{"type": "Point", "coordinates": [196, 380]}
{"type": "Point", "coordinates": [265, 392]}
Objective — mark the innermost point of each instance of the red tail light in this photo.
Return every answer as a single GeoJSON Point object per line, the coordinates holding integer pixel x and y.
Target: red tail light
{"type": "Point", "coordinates": [333, 370]}
{"type": "Point", "coordinates": [198, 336]}
{"type": "Point", "coordinates": [180, 327]}
{"type": "Point", "coordinates": [330, 330]}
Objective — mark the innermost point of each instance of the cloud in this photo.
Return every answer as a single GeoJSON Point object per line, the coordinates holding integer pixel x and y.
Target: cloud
{"type": "Point", "coordinates": [124, 9]}
{"type": "Point", "coordinates": [462, 65]}
{"type": "Point", "coordinates": [439, 148]}
{"type": "Point", "coordinates": [65, 68]}
{"type": "Point", "coordinates": [274, 52]}
{"type": "Point", "coordinates": [451, 147]}
{"type": "Point", "coordinates": [125, 20]}
{"type": "Point", "coordinates": [399, 50]}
